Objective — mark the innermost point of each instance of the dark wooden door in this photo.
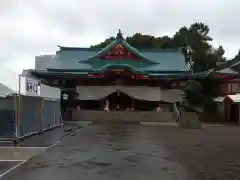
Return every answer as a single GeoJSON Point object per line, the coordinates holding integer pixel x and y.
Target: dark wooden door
{"type": "Point", "coordinates": [234, 113]}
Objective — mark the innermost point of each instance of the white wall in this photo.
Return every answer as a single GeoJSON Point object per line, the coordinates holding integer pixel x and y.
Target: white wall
{"type": "Point", "coordinates": [49, 92]}
{"type": "Point", "coordinates": [138, 92]}
{"type": "Point", "coordinates": [43, 62]}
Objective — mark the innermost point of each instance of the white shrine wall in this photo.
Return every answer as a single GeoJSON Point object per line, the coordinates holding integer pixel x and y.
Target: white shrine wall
{"type": "Point", "coordinates": [137, 92]}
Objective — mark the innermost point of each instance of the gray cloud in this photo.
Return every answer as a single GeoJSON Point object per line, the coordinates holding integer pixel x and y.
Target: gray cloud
{"type": "Point", "coordinates": [29, 28]}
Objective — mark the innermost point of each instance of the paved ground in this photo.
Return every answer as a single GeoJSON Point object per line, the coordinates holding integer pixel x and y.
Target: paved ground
{"type": "Point", "coordinates": [138, 152]}
{"type": "Point", "coordinates": [103, 152]}
{"type": "Point", "coordinates": [45, 139]}
{"type": "Point", "coordinates": [11, 155]}
{"type": "Point", "coordinates": [6, 165]}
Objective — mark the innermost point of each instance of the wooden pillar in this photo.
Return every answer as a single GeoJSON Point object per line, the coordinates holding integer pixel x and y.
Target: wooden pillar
{"type": "Point", "coordinates": [238, 113]}
{"type": "Point", "coordinates": [41, 114]}
{"type": "Point", "coordinates": [71, 104]}
{"type": "Point", "coordinates": [227, 103]}
{"type": "Point", "coordinates": [18, 115]}
{"type": "Point", "coordinates": [62, 104]}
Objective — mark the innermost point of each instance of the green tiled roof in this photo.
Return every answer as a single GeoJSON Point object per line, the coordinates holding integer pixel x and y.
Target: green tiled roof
{"type": "Point", "coordinates": [76, 59]}
{"type": "Point", "coordinates": [230, 67]}
{"type": "Point", "coordinates": [88, 60]}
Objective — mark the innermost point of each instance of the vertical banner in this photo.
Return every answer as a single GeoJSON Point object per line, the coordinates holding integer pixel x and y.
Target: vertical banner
{"type": "Point", "coordinates": [32, 87]}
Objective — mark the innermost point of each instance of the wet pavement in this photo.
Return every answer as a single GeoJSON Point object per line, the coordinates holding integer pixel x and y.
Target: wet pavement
{"type": "Point", "coordinates": [103, 152]}
{"type": "Point", "coordinates": [34, 145]}
{"type": "Point", "coordinates": [19, 154]}
{"type": "Point", "coordinates": [45, 139]}
{"type": "Point", "coordinates": [6, 165]}
{"type": "Point", "coordinates": [12, 155]}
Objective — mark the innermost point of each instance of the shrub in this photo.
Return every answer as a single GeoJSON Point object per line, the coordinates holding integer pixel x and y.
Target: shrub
{"type": "Point", "coordinates": [193, 98]}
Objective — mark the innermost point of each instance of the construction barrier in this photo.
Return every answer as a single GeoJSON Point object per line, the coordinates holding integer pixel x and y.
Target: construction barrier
{"type": "Point", "coordinates": [28, 115]}
{"type": "Point", "coordinates": [7, 118]}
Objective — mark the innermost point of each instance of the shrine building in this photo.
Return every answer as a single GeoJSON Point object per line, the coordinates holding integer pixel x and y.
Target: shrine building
{"type": "Point", "coordinates": [116, 78]}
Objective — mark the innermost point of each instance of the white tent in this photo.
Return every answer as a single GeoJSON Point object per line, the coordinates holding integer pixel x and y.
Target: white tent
{"type": "Point", "coordinates": [5, 91]}
{"type": "Point", "coordinates": [8, 82]}
{"type": "Point", "coordinates": [9, 78]}
{"type": "Point", "coordinates": [235, 98]}
{"type": "Point", "coordinates": [49, 92]}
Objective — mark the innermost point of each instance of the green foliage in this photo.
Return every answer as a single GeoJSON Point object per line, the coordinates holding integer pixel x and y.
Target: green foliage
{"type": "Point", "coordinates": [210, 87]}
{"type": "Point", "coordinates": [238, 55]}
{"type": "Point", "coordinates": [192, 93]}
{"type": "Point", "coordinates": [194, 42]}
{"type": "Point", "coordinates": [193, 97]}
{"type": "Point", "coordinates": [103, 44]}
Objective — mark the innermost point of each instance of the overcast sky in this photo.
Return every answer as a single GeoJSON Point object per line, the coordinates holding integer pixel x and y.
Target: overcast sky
{"type": "Point", "coordinates": [34, 27]}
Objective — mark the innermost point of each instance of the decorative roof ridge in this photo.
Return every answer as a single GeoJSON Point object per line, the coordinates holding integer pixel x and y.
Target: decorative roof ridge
{"type": "Point", "coordinates": [65, 48]}
{"type": "Point", "coordinates": [120, 40]}
{"type": "Point", "coordinates": [62, 70]}
{"type": "Point", "coordinates": [118, 66]}
{"type": "Point", "coordinates": [102, 69]}
{"type": "Point", "coordinates": [226, 64]}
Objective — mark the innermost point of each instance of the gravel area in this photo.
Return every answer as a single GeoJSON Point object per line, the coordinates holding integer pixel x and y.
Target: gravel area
{"type": "Point", "coordinates": [212, 153]}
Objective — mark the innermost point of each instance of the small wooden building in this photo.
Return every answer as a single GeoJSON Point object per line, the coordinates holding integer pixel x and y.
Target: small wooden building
{"type": "Point", "coordinates": [229, 101]}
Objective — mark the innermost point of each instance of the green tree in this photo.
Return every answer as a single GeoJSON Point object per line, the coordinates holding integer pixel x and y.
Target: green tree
{"type": "Point", "coordinates": [192, 92]}
{"type": "Point", "coordinates": [103, 44]}
{"type": "Point", "coordinates": [193, 98]}
{"type": "Point", "coordinates": [237, 56]}
{"type": "Point", "coordinates": [193, 40]}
